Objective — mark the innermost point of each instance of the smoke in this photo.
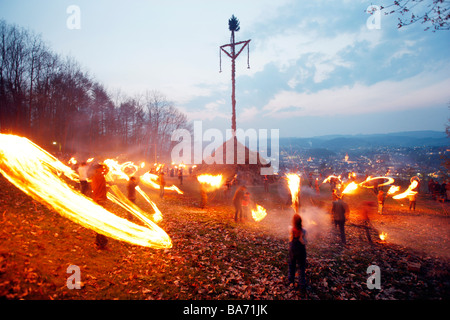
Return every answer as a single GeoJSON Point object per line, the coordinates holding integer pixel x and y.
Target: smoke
{"type": "Point", "coordinates": [316, 221]}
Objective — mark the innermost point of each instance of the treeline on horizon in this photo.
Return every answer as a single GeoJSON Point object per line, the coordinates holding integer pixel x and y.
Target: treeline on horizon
{"type": "Point", "coordinates": [52, 101]}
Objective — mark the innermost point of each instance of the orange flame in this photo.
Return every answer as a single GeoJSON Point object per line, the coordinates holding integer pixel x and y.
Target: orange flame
{"type": "Point", "coordinates": [38, 174]}
{"type": "Point", "coordinates": [293, 180]}
{"type": "Point", "coordinates": [408, 191]}
{"type": "Point", "coordinates": [211, 182]}
{"type": "Point", "coordinates": [352, 186]}
{"type": "Point", "coordinates": [383, 236]}
{"type": "Point", "coordinates": [259, 214]}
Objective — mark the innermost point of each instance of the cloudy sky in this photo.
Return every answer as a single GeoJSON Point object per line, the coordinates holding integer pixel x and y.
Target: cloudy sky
{"type": "Point", "coordinates": [316, 68]}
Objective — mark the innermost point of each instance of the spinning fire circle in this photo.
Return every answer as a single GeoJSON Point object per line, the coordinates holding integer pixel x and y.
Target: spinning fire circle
{"type": "Point", "coordinates": [371, 182]}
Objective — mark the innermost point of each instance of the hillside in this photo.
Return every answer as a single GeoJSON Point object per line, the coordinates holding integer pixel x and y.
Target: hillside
{"type": "Point", "coordinates": [399, 139]}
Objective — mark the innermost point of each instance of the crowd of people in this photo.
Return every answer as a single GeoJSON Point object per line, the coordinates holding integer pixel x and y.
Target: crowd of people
{"type": "Point", "coordinates": [97, 189]}
{"type": "Point", "coordinates": [439, 192]}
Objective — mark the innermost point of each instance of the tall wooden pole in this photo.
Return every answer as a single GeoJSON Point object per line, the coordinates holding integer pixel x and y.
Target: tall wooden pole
{"type": "Point", "coordinates": [233, 84]}
{"type": "Point", "coordinates": [232, 54]}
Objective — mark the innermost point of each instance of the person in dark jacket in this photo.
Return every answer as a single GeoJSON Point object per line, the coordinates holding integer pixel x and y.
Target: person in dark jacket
{"type": "Point", "coordinates": [237, 202]}
{"type": "Point", "coordinates": [339, 211]}
{"type": "Point", "coordinates": [131, 188]}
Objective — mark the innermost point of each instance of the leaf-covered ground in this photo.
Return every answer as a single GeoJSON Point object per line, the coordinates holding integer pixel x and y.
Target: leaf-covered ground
{"type": "Point", "coordinates": [215, 258]}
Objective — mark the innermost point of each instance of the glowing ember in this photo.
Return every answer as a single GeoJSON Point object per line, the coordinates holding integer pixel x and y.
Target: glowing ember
{"type": "Point", "coordinates": [211, 182]}
{"type": "Point", "coordinates": [294, 186]}
{"type": "Point", "coordinates": [352, 186]}
{"type": "Point", "coordinates": [383, 236]}
{"type": "Point", "coordinates": [37, 173]}
{"type": "Point", "coordinates": [259, 214]}
{"type": "Point", "coordinates": [408, 191]}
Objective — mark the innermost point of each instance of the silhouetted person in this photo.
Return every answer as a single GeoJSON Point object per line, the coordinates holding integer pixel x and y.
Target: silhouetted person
{"type": "Point", "coordinates": [412, 201]}
{"type": "Point", "coordinates": [237, 202]}
{"type": "Point", "coordinates": [83, 174]}
{"type": "Point", "coordinates": [297, 251]}
{"type": "Point", "coordinates": [381, 198]}
{"type": "Point", "coordinates": [162, 184]}
{"type": "Point", "coordinates": [339, 211]}
{"type": "Point", "coordinates": [99, 191]}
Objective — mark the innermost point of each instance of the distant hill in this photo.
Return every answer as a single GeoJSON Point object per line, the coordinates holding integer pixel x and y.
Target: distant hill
{"type": "Point", "coordinates": [407, 139]}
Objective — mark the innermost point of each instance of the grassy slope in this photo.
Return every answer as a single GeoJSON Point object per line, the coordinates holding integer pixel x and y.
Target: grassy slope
{"type": "Point", "coordinates": [212, 256]}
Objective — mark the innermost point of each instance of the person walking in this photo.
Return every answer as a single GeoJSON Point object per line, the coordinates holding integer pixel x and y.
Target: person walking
{"type": "Point", "coordinates": [180, 176]}
{"type": "Point", "coordinates": [297, 252]}
{"type": "Point", "coordinates": [246, 205]}
{"type": "Point", "coordinates": [99, 190]}
{"type": "Point", "coordinates": [339, 211]}
{"type": "Point", "coordinates": [131, 188]}
{"type": "Point", "coordinates": [237, 202]}
{"type": "Point", "coordinates": [412, 197]}
{"type": "Point", "coordinates": [162, 184]}
{"type": "Point", "coordinates": [381, 198]}
{"type": "Point", "coordinates": [83, 174]}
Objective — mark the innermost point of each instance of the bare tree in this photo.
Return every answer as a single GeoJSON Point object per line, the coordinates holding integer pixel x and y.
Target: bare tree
{"type": "Point", "coordinates": [51, 99]}
{"type": "Point", "coordinates": [435, 14]}
{"type": "Point", "coordinates": [162, 119]}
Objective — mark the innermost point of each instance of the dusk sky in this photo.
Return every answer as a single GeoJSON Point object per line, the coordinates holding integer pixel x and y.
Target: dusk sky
{"type": "Point", "coordinates": [315, 66]}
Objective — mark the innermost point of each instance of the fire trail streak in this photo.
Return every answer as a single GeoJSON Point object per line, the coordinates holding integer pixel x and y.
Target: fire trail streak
{"type": "Point", "coordinates": [387, 181]}
{"type": "Point", "coordinates": [150, 179]}
{"type": "Point", "coordinates": [38, 174]}
{"type": "Point", "coordinates": [117, 171]}
{"type": "Point", "coordinates": [409, 191]}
